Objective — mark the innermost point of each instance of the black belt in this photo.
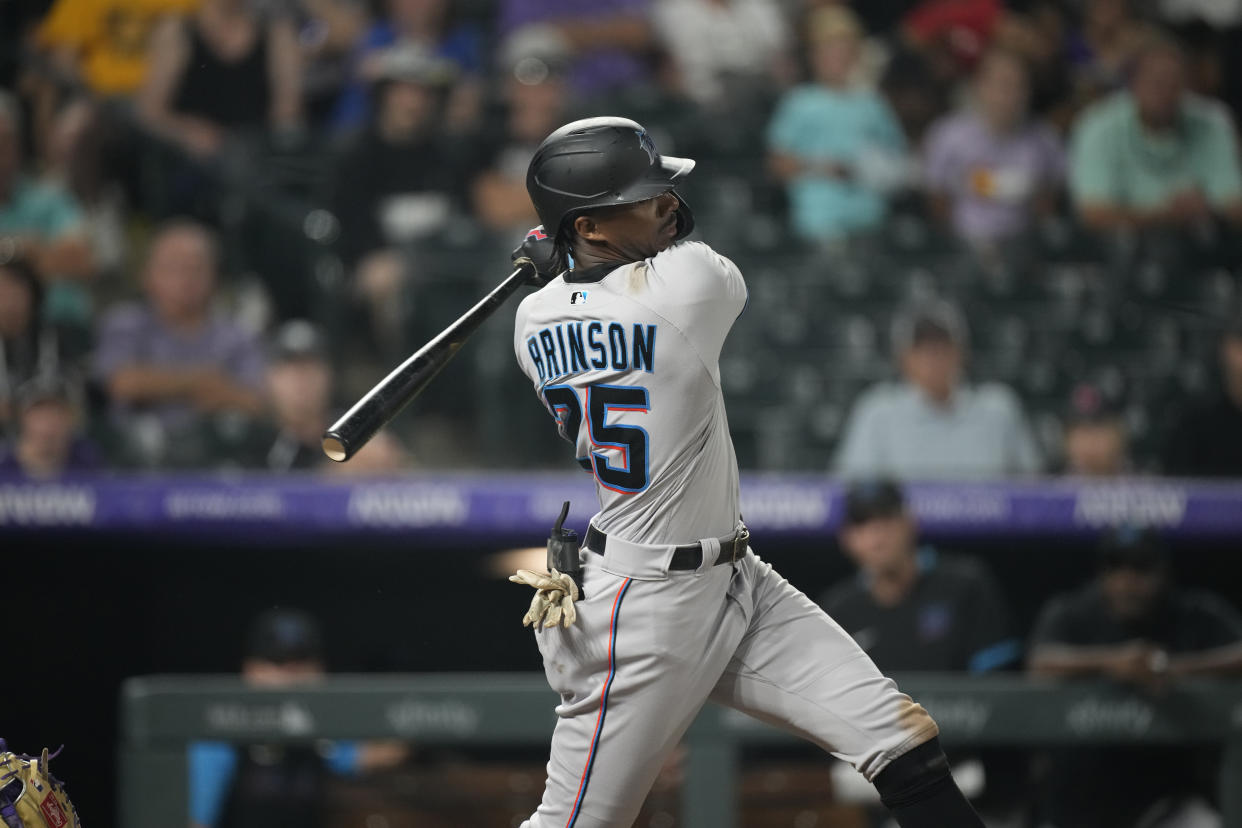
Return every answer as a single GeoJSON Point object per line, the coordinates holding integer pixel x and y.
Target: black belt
{"type": "Point", "coordinates": [687, 557]}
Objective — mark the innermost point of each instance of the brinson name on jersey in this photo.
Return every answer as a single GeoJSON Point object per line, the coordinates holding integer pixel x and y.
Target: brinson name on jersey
{"type": "Point", "coordinates": [559, 350]}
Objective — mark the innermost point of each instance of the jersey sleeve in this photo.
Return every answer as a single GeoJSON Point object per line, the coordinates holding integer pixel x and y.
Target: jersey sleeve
{"type": "Point", "coordinates": [519, 335]}
{"type": "Point", "coordinates": [699, 291]}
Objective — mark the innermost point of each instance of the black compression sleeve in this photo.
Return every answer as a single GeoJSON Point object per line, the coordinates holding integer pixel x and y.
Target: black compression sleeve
{"type": "Point", "coordinates": [919, 792]}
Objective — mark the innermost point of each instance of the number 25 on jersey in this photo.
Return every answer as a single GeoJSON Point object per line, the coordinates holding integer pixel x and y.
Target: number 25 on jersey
{"type": "Point", "coordinates": [631, 476]}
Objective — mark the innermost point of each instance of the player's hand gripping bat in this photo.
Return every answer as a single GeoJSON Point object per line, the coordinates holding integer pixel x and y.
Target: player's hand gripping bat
{"type": "Point", "coordinates": [535, 263]}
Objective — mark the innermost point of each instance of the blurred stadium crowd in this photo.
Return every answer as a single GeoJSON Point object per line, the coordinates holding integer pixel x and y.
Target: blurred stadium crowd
{"type": "Point", "coordinates": [222, 220]}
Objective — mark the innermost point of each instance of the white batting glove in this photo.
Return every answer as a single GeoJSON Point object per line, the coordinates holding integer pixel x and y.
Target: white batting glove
{"type": "Point", "coordinates": [553, 603]}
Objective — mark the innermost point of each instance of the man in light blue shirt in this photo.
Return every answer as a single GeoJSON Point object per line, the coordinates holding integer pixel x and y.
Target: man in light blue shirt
{"type": "Point", "coordinates": [836, 144]}
{"type": "Point", "coordinates": [931, 424]}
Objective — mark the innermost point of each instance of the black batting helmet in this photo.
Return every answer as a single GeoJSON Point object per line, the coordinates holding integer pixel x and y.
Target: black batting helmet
{"type": "Point", "coordinates": [601, 162]}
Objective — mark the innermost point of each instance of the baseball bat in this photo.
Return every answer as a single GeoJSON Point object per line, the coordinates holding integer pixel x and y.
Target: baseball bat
{"type": "Point", "coordinates": [395, 391]}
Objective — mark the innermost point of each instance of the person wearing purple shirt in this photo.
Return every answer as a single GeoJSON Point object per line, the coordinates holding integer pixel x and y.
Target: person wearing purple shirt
{"type": "Point", "coordinates": [170, 361]}
{"type": "Point", "coordinates": [608, 37]}
{"type": "Point", "coordinates": [989, 169]}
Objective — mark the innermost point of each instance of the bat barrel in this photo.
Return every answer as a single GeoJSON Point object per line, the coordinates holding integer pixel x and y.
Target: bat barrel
{"type": "Point", "coordinates": [393, 393]}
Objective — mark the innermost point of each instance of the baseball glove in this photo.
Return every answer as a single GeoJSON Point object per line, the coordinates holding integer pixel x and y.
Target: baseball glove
{"type": "Point", "coordinates": [30, 797]}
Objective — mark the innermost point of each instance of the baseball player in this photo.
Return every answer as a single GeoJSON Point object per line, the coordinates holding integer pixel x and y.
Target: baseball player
{"type": "Point", "coordinates": [674, 607]}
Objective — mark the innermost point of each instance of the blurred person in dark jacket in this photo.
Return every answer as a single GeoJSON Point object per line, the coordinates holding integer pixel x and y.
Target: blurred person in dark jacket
{"type": "Point", "coordinates": [912, 609]}
{"type": "Point", "coordinates": [49, 439]}
{"type": "Point", "coordinates": [1131, 624]}
{"type": "Point", "coordinates": [1206, 439]}
{"type": "Point", "coordinates": [277, 785]}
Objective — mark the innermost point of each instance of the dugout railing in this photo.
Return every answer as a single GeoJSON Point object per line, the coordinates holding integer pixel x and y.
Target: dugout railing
{"type": "Point", "coordinates": [161, 714]}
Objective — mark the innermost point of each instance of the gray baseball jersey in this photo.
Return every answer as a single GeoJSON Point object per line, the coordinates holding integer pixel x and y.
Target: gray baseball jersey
{"type": "Point", "coordinates": [627, 362]}
{"type": "Point", "coordinates": [629, 367]}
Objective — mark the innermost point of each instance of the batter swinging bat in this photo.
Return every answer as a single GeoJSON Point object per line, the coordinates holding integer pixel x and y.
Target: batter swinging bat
{"type": "Point", "coordinates": [395, 391]}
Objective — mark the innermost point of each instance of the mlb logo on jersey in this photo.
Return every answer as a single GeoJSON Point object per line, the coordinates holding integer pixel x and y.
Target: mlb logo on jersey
{"type": "Point", "coordinates": [536, 234]}
{"type": "Point", "coordinates": [578, 297]}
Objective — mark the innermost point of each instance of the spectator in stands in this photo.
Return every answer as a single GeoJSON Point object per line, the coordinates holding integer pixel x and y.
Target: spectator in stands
{"type": "Point", "coordinates": [722, 48]}
{"type": "Point", "coordinates": [911, 609]}
{"type": "Point", "coordinates": [931, 423]}
{"type": "Point", "coordinates": [1132, 625]}
{"type": "Point", "coordinates": [609, 39]}
{"type": "Point", "coordinates": [81, 158]}
{"type": "Point", "coordinates": [990, 169]}
{"type": "Point", "coordinates": [955, 34]}
{"type": "Point", "coordinates": [234, 785]}
{"type": "Point", "coordinates": [104, 44]}
{"type": "Point", "coordinates": [1155, 155]}
{"type": "Point", "coordinates": [49, 440]}
{"type": "Point", "coordinates": [329, 32]}
{"type": "Point", "coordinates": [535, 101]}
{"type": "Point", "coordinates": [172, 362]}
{"type": "Point", "coordinates": [1206, 438]}
{"type": "Point", "coordinates": [398, 182]}
{"type": "Point", "coordinates": [42, 224]}
{"type": "Point", "coordinates": [1096, 441]}
{"type": "Point", "coordinates": [1103, 48]}
{"type": "Point", "coordinates": [221, 71]}
{"type": "Point", "coordinates": [27, 347]}
{"type": "Point", "coordinates": [299, 392]}
{"type": "Point", "coordinates": [918, 98]}
{"type": "Point", "coordinates": [427, 25]}
{"type": "Point", "coordinates": [837, 146]}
